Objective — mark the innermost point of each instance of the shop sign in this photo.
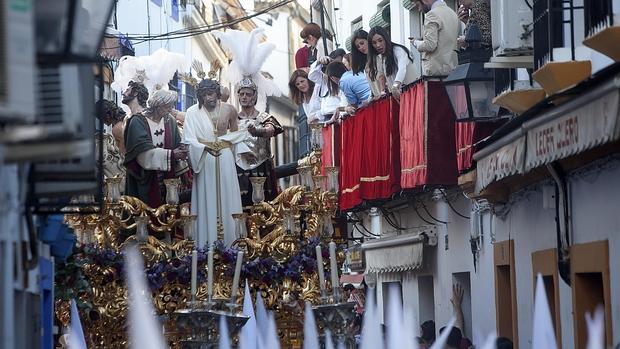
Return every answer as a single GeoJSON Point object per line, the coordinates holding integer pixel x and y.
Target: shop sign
{"type": "Point", "coordinates": [356, 258]}
{"type": "Point", "coordinates": [575, 131]}
{"type": "Point", "coordinates": [504, 162]}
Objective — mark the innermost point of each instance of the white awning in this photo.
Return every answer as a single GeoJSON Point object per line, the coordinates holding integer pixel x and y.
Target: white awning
{"type": "Point", "coordinates": [504, 162]}
{"type": "Point", "coordinates": [394, 254]}
{"type": "Point", "coordinates": [589, 120]}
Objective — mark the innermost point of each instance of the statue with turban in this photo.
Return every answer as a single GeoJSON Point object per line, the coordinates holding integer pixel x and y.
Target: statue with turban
{"type": "Point", "coordinates": [153, 149]}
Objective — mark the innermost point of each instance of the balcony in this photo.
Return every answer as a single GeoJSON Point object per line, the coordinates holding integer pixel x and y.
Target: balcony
{"type": "Point", "coordinates": [389, 148]}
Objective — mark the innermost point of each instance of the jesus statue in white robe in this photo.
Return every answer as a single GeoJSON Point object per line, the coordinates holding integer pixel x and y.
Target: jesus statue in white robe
{"type": "Point", "coordinates": [198, 130]}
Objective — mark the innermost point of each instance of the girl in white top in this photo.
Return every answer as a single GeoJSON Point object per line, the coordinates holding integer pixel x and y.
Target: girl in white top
{"type": "Point", "coordinates": [331, 101]}
{"type": "Point", "coordinates": [305, 93]}
{"type": "Point", "coordinates": [398, 65]}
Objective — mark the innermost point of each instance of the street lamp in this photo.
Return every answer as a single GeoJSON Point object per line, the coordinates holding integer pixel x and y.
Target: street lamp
{"type": "Point", "coordinates": [470, 86]}
{"type": "Point", "coordinates": [70, 30]}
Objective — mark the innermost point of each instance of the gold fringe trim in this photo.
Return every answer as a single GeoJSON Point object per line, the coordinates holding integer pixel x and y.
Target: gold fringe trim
{"type": "Point", "coordinates": [374, 179]}
{"type": "Point", "coordinates": [413, 169]}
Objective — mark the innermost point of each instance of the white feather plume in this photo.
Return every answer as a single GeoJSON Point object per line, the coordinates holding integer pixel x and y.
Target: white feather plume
{"type": "Point", "coordinates": [248, 57]}
{"type": "Point", "coordinates": [158, 69]}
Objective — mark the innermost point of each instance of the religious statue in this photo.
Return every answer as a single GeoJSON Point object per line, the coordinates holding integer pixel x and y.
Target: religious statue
{"type": "Point", "coordinates": [111, 115]}
{"type": "Point", "coordinates": [215, 190]}
{"type": "Point", "coordinates": [255, 160]}
{"type": "Point", "coordinates": [253, 153]}
{"type": "Point", "coordinates": [153, 150]}
{"type": "Point", "coordinates": [135, 97]}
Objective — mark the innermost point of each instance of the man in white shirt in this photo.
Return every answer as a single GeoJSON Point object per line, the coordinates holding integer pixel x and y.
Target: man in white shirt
{"type": "Point", "coordinates": [439, 42]}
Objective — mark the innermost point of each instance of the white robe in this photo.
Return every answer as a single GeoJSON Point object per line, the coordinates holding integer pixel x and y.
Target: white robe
{"type": "Point", "coordinates": [197, 127]}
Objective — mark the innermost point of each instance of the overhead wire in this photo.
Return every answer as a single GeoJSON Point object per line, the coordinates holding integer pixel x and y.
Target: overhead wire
{"type": "Point", "coordinates": [201, 29]}
{"type": "Point", "coordinates": [450, 205]}
{"type": "Point", "coordinates": [429, 214]}
{"type": "Point", "coordinates": [361, 222]}
{"type": "Point", "coordinates": [422, 218]}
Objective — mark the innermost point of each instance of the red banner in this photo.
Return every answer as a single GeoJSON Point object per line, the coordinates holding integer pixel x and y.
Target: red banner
{"type": "Point", "coordinates": [464, 132]}
{"type": "Point", "coordinates": [427, 146]}
{"type": "Point", "coordinates": [369, 162]}
{"type": "Point", "coordinates": [331, 146]}
{"type": "Point", "coordinates": [379, 170]}
{"type": "Point", "coordinates": [351, 161]}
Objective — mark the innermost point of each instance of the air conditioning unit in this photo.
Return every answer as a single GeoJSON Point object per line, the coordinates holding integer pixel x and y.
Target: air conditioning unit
{"type": "Point", "coordinates": [512, 28]}
{"type": "Point", "coordinates": [65, 114]}
{"type": "Point", "coordinates": [17, 62]}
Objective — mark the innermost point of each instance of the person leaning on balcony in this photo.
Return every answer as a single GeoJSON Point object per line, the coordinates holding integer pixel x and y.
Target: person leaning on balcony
{"type": "Point", "coordinates": [354, 87]}
{"type": "Point", "coordinates": [331, 100]}
{"type": "Point", "coordinates": [308, 54]}
{"type": "Point", "coordinates": [359, 63]}
{"type": "Point", "coordinates": [303, 93]}
{"type": "Point", "coordinates": [439, 41]}
{"type": "Point", "coordinates": [395, 58]}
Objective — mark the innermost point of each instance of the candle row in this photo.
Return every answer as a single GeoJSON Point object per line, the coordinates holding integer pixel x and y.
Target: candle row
{"type": "Point", "coordinates": [235, 286]}
{"type": "Point", "coordinates": [194, 274]}
{"type": "Point", "coordinates": [333, 264]}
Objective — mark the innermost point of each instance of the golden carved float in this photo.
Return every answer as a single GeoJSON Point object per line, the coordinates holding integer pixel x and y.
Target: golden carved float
{"type": "Point", "coordinates": [279, 244]}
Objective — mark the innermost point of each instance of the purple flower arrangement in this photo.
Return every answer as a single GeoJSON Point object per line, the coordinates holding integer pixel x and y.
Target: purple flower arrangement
{"type": "Point", "coordinates": [178, 269]}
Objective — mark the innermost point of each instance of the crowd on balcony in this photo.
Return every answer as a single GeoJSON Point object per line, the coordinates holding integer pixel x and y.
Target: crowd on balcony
{"type": "Point", "coordinates": [379, 82]}
{"type": "Point", "coordinates": [330, 86]}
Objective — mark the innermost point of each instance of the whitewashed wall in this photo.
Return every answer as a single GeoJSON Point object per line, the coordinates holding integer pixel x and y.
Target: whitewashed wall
{"type": "Point", "coordinates": [134, 16]}
{"type": "Point", "coordinates": [595, 202]}
{"type": "Point", "coordinates": [594, 217]}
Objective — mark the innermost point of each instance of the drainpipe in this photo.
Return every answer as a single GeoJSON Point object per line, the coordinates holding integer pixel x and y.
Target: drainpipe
{"type": "Point", "coordinates": [562, 220]}
{"type": "Point", "coordinates": [375, 221]}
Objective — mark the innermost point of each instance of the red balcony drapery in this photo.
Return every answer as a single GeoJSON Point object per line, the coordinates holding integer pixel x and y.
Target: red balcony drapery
{"type": "Point", "coordinates": [380, 167]}
{"type": "Point", "coordinates": [331, 146]}
{"type": "Point", "coordinates": [427, 136]}
{"type": "Point", "coordinates": [351, 162]}
{"type": "Point", "coordinates": [369, 163]}
{"type": "Point", "coordinates": [467, 134]}
{"type": "Point", "coordinates": [464, 133]}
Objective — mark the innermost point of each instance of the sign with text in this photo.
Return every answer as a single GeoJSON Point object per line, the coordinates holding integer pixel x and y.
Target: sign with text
{"type": "Point", "coordinates": [579, 129]}
{"type": "Point", "coordinates": [355, 257]}
{"type": "Point", "coordinates": [504, 162]}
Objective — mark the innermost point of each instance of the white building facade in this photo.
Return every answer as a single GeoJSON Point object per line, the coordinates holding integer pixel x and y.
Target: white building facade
{"type": "Point", "coordinates": [495, 243]}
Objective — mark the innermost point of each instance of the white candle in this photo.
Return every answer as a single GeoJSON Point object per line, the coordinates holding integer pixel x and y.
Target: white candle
{"type": "Point", "coordinates": [319, 269]}
{"type": "Point", "coordinates": [333, 266]}
{"type": "Point", "coordinates": [235, 285]}
{"type": "Point", "coordinates": [194, 272]}
{"type": "Point", "coordinates": [210, 272]}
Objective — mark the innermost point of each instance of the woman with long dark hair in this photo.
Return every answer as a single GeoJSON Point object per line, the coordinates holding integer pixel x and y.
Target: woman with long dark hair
{"type": "Point", "coordinates": [396, 59]}
{"type": "Point", "coordinates": [304, 94]}
{"type": "Point", "coordinates": [359, 63]}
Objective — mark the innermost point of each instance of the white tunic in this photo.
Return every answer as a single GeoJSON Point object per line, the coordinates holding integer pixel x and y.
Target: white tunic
{"type": "Point", "coordinates": [199, 127]}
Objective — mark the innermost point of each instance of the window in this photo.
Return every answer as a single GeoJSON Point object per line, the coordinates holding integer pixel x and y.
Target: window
{"type": "Point", "coordinates": [548, 30]}
{"type": "Point", "coordinates": [390, 289]}
{"type": "Point", "coordinates": [356, 24]}
{"type": "Point", "coordinates": [285, 152]}
{"type": "Point", "coordinates": [545, 262]}
{"type": "Point", "coordinates": [505, 291]}
{"type": "Point", "coordinates": [597, 14]}
{"type": "Point", "coordinates": [463, 280]}
{"type": "Point", "coordinates": [426, 293]}
{"type": "Point", "coordinates": [188, 98]}
{"type": "Point", "coordinates": [286, 147]}
{"type": "Point", "coordinates": [589, 266]}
